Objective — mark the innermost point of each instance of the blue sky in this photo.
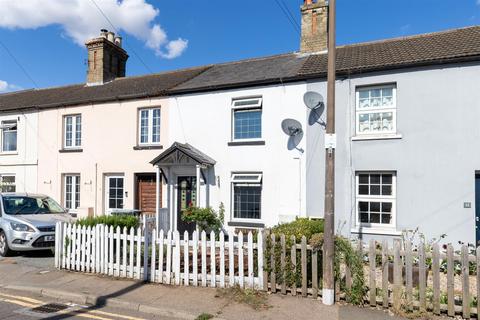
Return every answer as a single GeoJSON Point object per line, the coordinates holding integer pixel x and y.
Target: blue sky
{"type": "Point", "coordinates": [176, 34]}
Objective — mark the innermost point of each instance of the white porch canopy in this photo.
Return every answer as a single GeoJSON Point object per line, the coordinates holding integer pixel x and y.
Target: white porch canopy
{"type": "Point", "coordinates": [180, 159]}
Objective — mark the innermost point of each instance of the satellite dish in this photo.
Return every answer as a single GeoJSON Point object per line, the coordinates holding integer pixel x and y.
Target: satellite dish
{"type": "Point", "coordinates": [313, 100]}
{"type": "Point", "coordinates": [293, 129]}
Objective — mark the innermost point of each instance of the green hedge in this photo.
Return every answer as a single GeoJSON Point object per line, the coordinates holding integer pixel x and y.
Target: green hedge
{"type": "Point", "coordinates": [298, 228]}
{"type": "Point", "coordinates": [111, 220]}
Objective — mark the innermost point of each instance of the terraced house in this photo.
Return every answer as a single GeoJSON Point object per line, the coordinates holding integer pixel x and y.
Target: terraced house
{"type": "Point", "coordinates": [406, 136]}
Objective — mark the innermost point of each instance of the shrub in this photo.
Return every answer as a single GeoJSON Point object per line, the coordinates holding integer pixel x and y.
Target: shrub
{"type": "Point", "coordinates": [111, 220]}
{"type": "Point", "coordinates": [300, 227]}
{"type": "Point", "coordinates": [207, 219]}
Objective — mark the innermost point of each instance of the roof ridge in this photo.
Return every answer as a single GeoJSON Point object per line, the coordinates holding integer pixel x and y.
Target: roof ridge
{"type": "Point", "coordinates": [414, 36]}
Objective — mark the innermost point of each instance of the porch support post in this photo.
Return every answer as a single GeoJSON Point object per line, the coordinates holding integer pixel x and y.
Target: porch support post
{"type": "Point", "coordinates": [158, 186]}
{"type": "Point", "coordinates": [198, 185]}
{"type": "Point", "coordinates": [171, 208]}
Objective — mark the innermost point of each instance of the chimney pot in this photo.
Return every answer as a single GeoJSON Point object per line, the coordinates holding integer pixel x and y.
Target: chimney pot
{"type": "Point", "coordinates": [111, 36]}
{"type": "Point", "coordinates": [118, 41]}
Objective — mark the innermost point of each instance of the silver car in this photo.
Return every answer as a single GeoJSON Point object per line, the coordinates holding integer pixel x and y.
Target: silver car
{"type": "Point", "coordinates": [27, 222]}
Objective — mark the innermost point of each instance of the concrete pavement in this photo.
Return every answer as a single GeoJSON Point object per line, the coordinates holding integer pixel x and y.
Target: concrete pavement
{"type": "Point", "coordinates": [41, 279]}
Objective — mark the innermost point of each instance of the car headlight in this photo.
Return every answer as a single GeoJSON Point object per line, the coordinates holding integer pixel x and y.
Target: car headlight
{"type": "Point", "coordinates": [21, 227]}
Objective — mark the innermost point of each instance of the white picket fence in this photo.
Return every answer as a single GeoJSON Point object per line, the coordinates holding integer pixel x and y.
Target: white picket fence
{"type": "Point", "coordinates": [162, 257]}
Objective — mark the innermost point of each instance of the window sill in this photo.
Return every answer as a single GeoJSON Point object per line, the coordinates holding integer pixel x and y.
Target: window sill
{"type": "Point", "coordinates": [245, 224]}
{"type": "Point", "coordinates": [368, 230]}
{"type": "Point", "coordinates": [377, 137]}
{"type": "Point", "coordinates": [8, 153]}
{"type": "Point", "coordinates": [70, 150]}
{"type": "Point", "coordinates": [247, 143]}
{"type": "Point", "coordinates": [150, 147]}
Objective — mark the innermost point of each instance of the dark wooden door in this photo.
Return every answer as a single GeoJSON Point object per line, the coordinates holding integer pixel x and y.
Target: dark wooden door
{"type": "Point", "coordinates": [146, 193]}
{"type": "Point", "coordinates": [186, 196]}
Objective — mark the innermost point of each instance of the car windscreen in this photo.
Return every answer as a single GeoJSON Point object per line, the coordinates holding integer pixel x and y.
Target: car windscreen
{"type": "Point", "coordinates": [30, 205]}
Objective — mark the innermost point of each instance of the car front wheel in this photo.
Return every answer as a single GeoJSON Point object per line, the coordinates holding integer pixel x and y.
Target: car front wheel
{"type": "Point", "coordinates": [4, 249]}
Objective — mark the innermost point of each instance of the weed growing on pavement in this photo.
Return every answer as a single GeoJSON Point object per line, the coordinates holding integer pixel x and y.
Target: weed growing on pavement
{"type": "Point", "coordinates": [253, 298]}
{"type": "Point", "coordinates": [204, 316]}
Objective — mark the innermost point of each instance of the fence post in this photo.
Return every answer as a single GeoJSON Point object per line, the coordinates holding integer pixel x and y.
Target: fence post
{"type": "Point", "coordinates": [422, 278]}
{"type": "Point", "coordinates": [186, 262]}
{"type": "Point", "coordinates": [58, 244]}
{"type": "Point", "coordinates": [465, 283]}
{"type": "Point", "coordinates": [222, 259]}
{"type": "Point", "coordinates": [262, 277]}
{"type": "Point", "coordinates": [385, 292]}
{"type": "Point", "coordinates": [145, 250]}
{"type": "Point", "coordinates": [154, 255]}
{"type": "Point", "coordinates": [409, 274]}
{"type": "Point", "coordinates": [213, 254]}
{"type": "Point", "coordinates": [397, 275]}
{"type": "Point", "coordinates": [372, 276]}
{"type": "Point", "coordinates": [450, 282]}
{"type": "Point", "coordinates": [436, 278]}
{"type": "Point", "coordinates": [273, 276]}
{"type": "Point", "coordinates": [251, 280]}
{"type": "Point", "coordinates": [304, 266]}
{"type": "Point", "coordinates": [177, 258]}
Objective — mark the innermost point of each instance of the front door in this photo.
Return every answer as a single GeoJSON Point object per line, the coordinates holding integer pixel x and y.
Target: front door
{"type": "Point", "coordinates": [114, 193]}
{"type": "Point", "coordinates": [477, 207]}
{"type": "Point", "coordinates": [186, 196]}
{"type": "Point", "coordinates": [147, 193]}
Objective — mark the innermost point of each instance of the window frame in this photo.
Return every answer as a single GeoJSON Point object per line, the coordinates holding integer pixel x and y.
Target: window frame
{"type": "Point", "coordinates": [74, 131]}
{"type": "Point", "coordinates": [376, 198]}
{"type": "Point", "coordinates": [149, 126]}
{"type": "Point", "coordinates": [75, 178]}
{"type": "Point", "coordinates": [393, 109]}
{"type": "Point", "coordinates": [245, 183]}
{"type": "Point", "coordinates": [2, 175]}
{"type": "Point", "coordinates": [246, 108]}
{"type": "Point", "coordinates": [2, 132]}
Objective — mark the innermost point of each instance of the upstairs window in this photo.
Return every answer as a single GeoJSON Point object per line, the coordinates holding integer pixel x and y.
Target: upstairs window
{"type": "Point", "coordinates": [247, 119]}
{"type": "Point", "coordinates": [376, 194]}
{"type": "Point", "coordinates": [247, 195]}
{"type": "Point", "coordinates": [149, 126]}
{"type": "Point", "coordinates": [376, 110]}
{"type": "Point", "coordinates": [73, 131]}
{"type": "Point", "coordinates": [9, 136]}
{"type": "Point", "coordinates": [7, 183]}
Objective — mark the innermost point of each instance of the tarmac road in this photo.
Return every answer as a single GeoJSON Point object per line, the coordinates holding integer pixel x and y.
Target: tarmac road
{"type": "Point", "coordinates": [22, 306]}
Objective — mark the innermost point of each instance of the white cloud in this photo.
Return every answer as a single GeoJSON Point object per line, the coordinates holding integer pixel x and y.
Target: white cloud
{"type": "Point", "coordinates": [81, 20]}
{"type": "Point", "coordinates": [174, 48]}
{"type": "Point", "coordinates": [5, 87]}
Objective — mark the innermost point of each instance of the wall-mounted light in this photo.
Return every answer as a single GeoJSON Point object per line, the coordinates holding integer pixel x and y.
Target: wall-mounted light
{"type": "Point", "coordinates": [47, 182]}
{"type": "Point", "coordinates": [88, 183]}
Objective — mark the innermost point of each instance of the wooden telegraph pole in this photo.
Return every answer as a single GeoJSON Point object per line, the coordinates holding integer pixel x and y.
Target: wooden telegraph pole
{"type": "Point", "coordinates": [328, 292]}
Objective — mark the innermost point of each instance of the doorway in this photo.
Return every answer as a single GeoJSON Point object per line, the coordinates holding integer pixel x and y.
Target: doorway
{"type": "Point", "coordinates": [186, 196]}
{"type": "Point", "coordinates": [146, 188]}
{"type": "Point", "coordinates": [114, 193]}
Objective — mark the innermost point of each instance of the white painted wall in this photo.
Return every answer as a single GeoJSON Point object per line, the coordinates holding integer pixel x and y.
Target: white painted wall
{"type": "Point", "coordinates": [23, 162]}
{"type": "Point", "coordinates": [109, 134]}
{"type": "Point", "coordinates": [204, 121]}
{"type": "Point", "coordinates": [438, 112]}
